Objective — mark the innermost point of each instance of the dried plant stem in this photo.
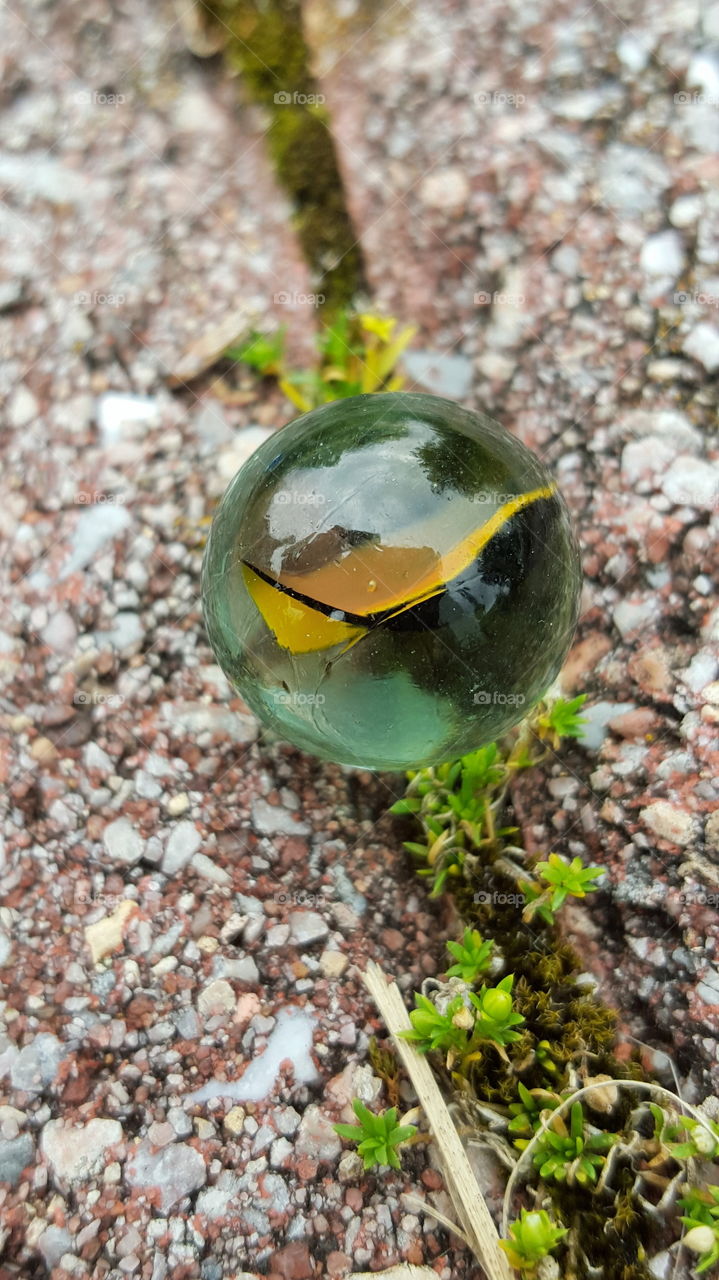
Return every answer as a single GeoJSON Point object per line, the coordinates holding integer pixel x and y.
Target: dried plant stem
{"type": "Point", "coordinates": [477, 1226]}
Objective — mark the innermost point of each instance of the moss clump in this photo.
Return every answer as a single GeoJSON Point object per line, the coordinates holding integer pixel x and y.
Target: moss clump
{"type": "Point", "coordinates": [265, 42]}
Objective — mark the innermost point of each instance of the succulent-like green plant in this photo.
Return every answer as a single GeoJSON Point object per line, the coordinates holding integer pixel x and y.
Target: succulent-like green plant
{"type": "Point", "coordinates": [495, 1014]}
{"type": "Point", "coordinates": [473, 956]}
{"type": "Point", "coordinates": [685, 1137]}
{"type": "Point", "coordinates": [459, 1032]}
{"type": "Point", "coordinates": [573, 1154]}
{"type": "Point", "coordinates": [377, 1136]}
{"type": "Point", "coordinates": [702, 1219]}
{"type": "Point", "coordinates": [559, 719]}
{"type": "Point", "coordinates": [533, 1236]}
{"type": "Point", "coordinates": [263, 352]}
{"type": "Point", "coordinates": [556, 880]}
{"type": "Point", "coordinates": [358, 355]}
{"type": "Point", "coordinates": [434, 1030]}
{"type": "Point", "coordinates": [527, 1114]}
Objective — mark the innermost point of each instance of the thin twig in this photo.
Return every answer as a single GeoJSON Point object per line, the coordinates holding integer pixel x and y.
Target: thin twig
{"type": "Point", "coordinates": [469, 1204]}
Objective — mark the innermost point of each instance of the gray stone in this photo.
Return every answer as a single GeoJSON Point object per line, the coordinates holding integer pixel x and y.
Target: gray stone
{"type": "Point", "coordinates": [702, 344]}
{"type": "Point", "coordinates": [307, 927]}
{"type": "Point", "coordinates": [76, 1153]}
{"type": "Point", "coordinates": [182, 845]}
{"type": "Point", "coordinates": [444, 374]}
{"type": "Point", "coordinates": [15, 1155]}
{"type": "Point", "coordinates": [272, 820]}
{"type": "Point", "coordinates": [122, 842]}
{"type": "Point", "coordinates": [54, 1243]}
{"type": "Point", "coordinates": [692, 482]}
{"type": "Point", "coordinates": [631, 179]}
{"type": "Point", "coordinates": [663, 255]}
{"type": "Point", "coordinates": [36, 1065]}
{"type": "Point", "coordinates": [175, 1171]}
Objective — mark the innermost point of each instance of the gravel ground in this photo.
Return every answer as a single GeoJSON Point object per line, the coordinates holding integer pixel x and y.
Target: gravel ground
{"type": "Point", "coordinates": [186, 904]}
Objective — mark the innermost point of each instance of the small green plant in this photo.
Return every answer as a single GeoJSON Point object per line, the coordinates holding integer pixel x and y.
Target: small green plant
{"type": "Point", "coordinates": [573, 1154]}
{"type": "Point", "coordinates": [459, 1032]}
{"type": "Point", "coordinates": [496, 1016]}
{"type": "Point", "coordinates": [473, 956]}
{"type": "Point", "coordinates": [685, 1137]}
{"type": "Point", "coordinates": [444, 1031]}
{"type": "Point", "coordinates": [559, 719]}
{"type": "Point", "coordinates": [533, 1236]}
{"type": "Point", "coordinates": [357, 355]}
{"type": "Point", "coordinates": [702, 1218]}
{"type": "Point", "coordinates": [561, 879]}
{"type": "Point", "coordinates": [528, 1113]}
{"type": "Point", "coordinates": [377, 1136]}
{"type": "Point", "coordinates": [263, 352]}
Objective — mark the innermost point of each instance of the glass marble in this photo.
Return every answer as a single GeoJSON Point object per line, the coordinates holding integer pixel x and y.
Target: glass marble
{"type": "Point", "coordinates": [391, 581]}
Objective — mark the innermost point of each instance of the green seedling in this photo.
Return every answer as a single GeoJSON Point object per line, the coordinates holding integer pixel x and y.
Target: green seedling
{"type": "Point", "coordinates": [572, 1154]}
{"type": "Point", "coordinates": [529, 1112]}
{"type": "Point", "coordinates": [685, 1137]}
{"type": "Point", "coordinates": [559, 719]}
{"type": "Point", "coordinates": [377, 1136]}
{"type": "Point", "coordinates": [702, 1219]}
{"type": "Point", "coordinates": [460, 1031]}
{"type": "Point", "coordinates": [473, 956]}
{"type": "Point", "coordinates": [263, 352]}
{"type": "Point", "coordinates": [557, 880]}
{"type": "Point", "coordinates": [357, 355]}
{"type": "Point", "coordinates": [533, 1236]}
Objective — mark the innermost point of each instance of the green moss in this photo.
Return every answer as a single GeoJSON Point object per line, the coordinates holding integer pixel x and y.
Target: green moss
{"type": "Point", "coordinates": [266, 43]}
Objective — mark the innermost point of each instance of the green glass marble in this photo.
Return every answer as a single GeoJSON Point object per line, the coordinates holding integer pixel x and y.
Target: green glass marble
{"type": "Point", "coordinates": [391, 581]}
